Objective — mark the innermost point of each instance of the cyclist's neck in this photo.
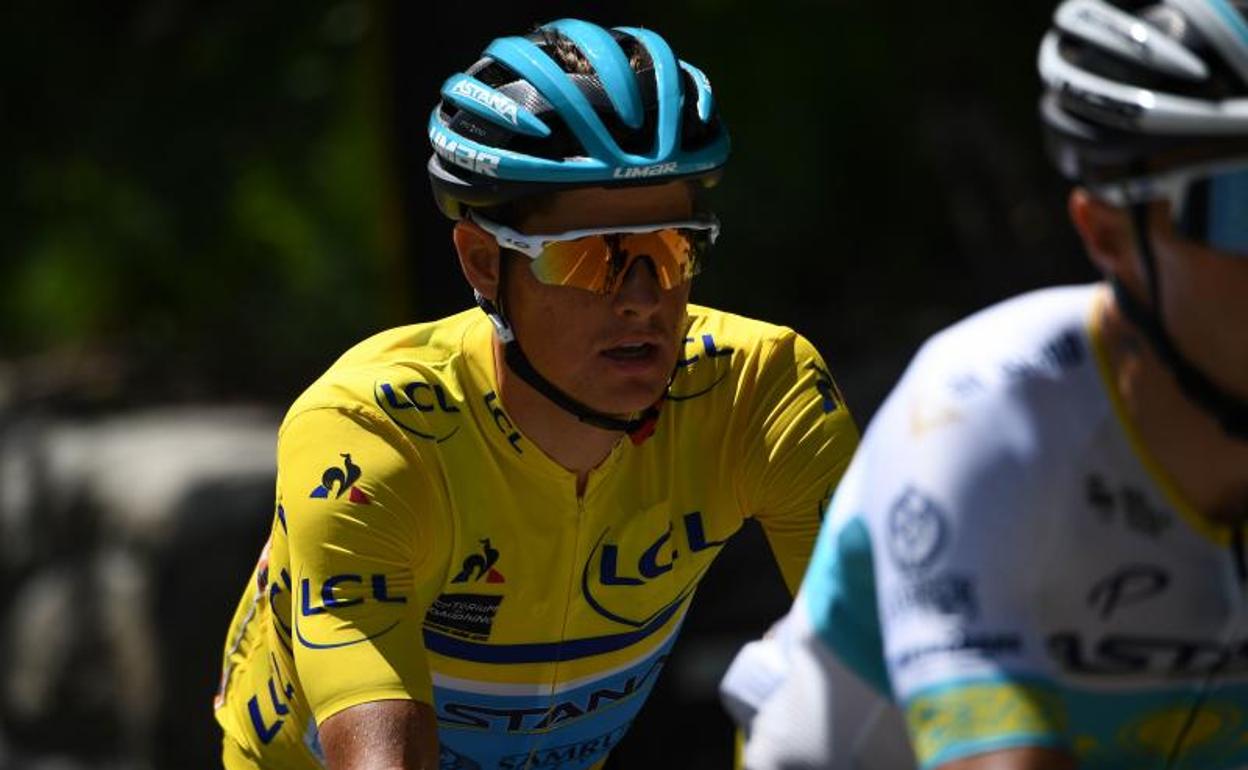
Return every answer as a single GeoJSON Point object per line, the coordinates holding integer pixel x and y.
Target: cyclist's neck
{"type": "Point", "coordinates": [1207, 465]}
{"type": "Point", "coordinates": [562, 437]}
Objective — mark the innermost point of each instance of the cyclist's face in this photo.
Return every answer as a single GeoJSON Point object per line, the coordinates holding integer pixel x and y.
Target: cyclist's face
{"type": "Point", "coordinates": [613, 352]}
{"type": "Point", "coordinates": [1204, 301]}
{"type": "Point", "coordinates": [1204, 292]}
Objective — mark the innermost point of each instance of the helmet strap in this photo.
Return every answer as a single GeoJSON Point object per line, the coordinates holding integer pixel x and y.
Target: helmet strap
{"type": "Point", "coordinates": [638, 428]}
{"type": "Point", "coordinates": [1230, 412]}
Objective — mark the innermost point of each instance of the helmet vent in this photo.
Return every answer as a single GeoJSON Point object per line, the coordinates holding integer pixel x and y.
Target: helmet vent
{"type": "Point", "coordinates": [564, 52]}
{"type": "Point", "coordinates": [492, 73]}
{"type": "Point", "coordinates": [561, 143]}
{"type": "Point", "coordinates": [1107, 64]}
{"type": "Point", "coordinates": [694, 134]}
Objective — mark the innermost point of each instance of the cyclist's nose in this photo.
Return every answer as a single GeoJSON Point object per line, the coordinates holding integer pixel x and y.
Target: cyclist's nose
{"type": "Point", "coordinates": [639, 290]}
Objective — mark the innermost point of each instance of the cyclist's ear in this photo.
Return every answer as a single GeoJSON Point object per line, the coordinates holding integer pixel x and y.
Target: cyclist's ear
{"type": "Point", "coordinates": [479, 257]}
{"type": "Point", "coordinates": [1106, 232]}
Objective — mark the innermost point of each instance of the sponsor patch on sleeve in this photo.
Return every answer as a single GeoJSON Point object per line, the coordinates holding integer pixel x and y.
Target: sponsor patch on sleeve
{"type": "Point", "coordinates": [952, 721]}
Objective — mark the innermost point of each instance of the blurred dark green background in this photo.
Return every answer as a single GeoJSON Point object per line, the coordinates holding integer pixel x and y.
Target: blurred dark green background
{"type": "Point", "coordinates": [223, 196]}
{"type": "Point", "coordinates": [208, 202]}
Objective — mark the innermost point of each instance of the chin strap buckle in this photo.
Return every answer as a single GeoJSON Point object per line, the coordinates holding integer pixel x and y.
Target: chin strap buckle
{"type": "Point", "coordinates": [643, 427]}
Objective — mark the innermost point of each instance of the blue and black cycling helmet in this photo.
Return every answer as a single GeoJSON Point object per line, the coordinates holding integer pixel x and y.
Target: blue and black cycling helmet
{"type": "Point", "coordinates": [519, 122]}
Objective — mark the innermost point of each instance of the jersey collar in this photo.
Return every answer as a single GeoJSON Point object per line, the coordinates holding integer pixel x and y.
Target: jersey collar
{"type": "Point", "coordinates": [1160, 476]}
{"type": "Point", "coordinates": [496, 425]}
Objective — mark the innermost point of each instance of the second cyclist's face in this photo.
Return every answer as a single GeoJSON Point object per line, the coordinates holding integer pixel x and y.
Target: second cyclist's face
{"type": "Point", "coordinates": [1204, 302]}
{"type": "Point", "coordinates": [613, 352]}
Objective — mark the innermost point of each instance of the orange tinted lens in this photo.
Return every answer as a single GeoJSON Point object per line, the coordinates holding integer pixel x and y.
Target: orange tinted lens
{"type": "Point", "coordinates": [584, 263]}
{"type": "Point", "coordinates": [597, 262]}
{"type": "Point", "coordinates": [670, 251]}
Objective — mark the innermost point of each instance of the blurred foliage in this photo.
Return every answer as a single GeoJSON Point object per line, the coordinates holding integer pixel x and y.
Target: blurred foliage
{"type": "Point", "coordinates": [215, 192]}
{"type": "Point", "coordinates": [195, 184]}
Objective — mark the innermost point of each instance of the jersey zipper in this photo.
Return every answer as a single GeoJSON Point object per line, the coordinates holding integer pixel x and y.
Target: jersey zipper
{"type": "Point", "coordinates": [539, 739]}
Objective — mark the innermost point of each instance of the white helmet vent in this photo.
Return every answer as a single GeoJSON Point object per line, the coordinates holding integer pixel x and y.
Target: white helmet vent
{"type": "Point", "coordinates": [1129, 37]}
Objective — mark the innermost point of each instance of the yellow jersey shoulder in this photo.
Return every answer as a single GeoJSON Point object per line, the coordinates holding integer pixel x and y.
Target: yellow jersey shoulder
{"type": "Point", "coordinates": [747, 332]}
{"type": "Point", "coordinates": [723, 347]}
{"type": "Point", "coordinates": [409, 375]}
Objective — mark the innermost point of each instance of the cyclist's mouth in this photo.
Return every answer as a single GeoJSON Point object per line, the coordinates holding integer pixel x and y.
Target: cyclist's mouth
{"type": "Point", "coordinates": [641, 351]}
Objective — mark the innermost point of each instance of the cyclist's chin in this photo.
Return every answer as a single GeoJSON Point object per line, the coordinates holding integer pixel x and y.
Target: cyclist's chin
{"type": "Point", "coordinates": [628, 396]}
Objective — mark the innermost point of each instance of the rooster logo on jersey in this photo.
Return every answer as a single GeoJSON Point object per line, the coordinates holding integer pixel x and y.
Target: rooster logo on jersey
{"type": "Point", "coordinates": [482, 564]}
{"type": "Point", "coordinates": [826, 387]}
{"type": "Point", "coordinates": [344, 479]}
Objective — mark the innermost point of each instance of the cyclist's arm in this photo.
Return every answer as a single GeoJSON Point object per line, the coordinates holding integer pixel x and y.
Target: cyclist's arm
{"type": "Point", "coordinates": [923, 587]}
{"type": "Point", "coordinates": [364, 529]}
{"type": "Point", "coordinates": [954, 498]}
{"type": "Point", "coordinates": [381, 734]}
{"type": "Point", "coordinates": [796, 443]}
{"type": "Point", "coordinates": [1028, 758]}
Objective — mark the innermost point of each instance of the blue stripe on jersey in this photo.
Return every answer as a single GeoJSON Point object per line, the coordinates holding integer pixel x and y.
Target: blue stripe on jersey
{"type": "Point", "coordinates": [570, 730]}
{"type": "Point", "coordinates": [840, 596]}
{"type": "Point", "coordinates": [545, 652]}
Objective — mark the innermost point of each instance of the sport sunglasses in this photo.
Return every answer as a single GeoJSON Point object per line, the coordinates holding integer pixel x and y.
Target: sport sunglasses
{"type": "Point", "coordinates": [597, 259]}
{"type": "Point", "coordinates": [1208, 203]}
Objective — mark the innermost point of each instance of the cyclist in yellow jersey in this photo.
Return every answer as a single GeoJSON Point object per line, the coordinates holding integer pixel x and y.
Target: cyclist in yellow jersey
{"type": "Point", "coordinates": [489, 528]}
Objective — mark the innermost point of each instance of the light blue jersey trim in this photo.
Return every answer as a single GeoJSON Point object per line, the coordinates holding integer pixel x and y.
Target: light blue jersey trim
{"type": "Point", "coordinates": [840, 597]}
{"type": "Point", "coordinates": [975, 681]}
{"type": "Point", "coordinates": [1016, 741]}
{"type": "Point", "coordinates": [966, 716]}
{"type": "Point", "coordinates": [1115, 730]}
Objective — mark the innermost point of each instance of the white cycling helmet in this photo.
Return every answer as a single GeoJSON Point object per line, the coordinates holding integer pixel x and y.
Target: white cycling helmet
{"type": "Point", "coordinates": [1134, 88]}
{"type": "Point", "coordinates": [1148, 101]}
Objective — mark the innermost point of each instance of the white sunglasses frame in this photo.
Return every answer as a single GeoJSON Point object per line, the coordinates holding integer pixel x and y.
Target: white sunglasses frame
{"type": "Point", "coordinates": [1171, 186]}
{"type": "Point", "coordinates": [532, 245]}
{"type": "Point", "coordinates": [1166, 185]}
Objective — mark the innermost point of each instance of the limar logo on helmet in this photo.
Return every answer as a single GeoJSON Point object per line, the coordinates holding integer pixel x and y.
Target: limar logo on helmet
{"type": "Point", "coordinates": [464, 157]}
{"type": "Point", "coordinates": [634, 172]}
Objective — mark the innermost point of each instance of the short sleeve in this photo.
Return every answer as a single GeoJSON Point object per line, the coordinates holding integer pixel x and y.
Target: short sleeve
{"type": "Point", "coordinates": [361, 522]}
{"type": "Point", "coordinates": [929, 572]}
{"type": "Point", "coordinates": [797, 442]}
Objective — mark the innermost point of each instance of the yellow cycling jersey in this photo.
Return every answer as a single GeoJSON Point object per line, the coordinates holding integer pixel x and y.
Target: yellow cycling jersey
{"type": "Point", "coordinates": [423, 548]}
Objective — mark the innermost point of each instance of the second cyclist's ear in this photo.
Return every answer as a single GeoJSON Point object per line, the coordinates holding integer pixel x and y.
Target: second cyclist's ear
{"type": "Point", "coordinates": [479, 257]}
{"type": "Point", "coordinates": [1106, 232]}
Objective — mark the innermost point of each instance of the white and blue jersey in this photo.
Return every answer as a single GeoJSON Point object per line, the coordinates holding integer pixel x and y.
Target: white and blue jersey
{"type": "Point", "coordinates": [1007, 566]}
